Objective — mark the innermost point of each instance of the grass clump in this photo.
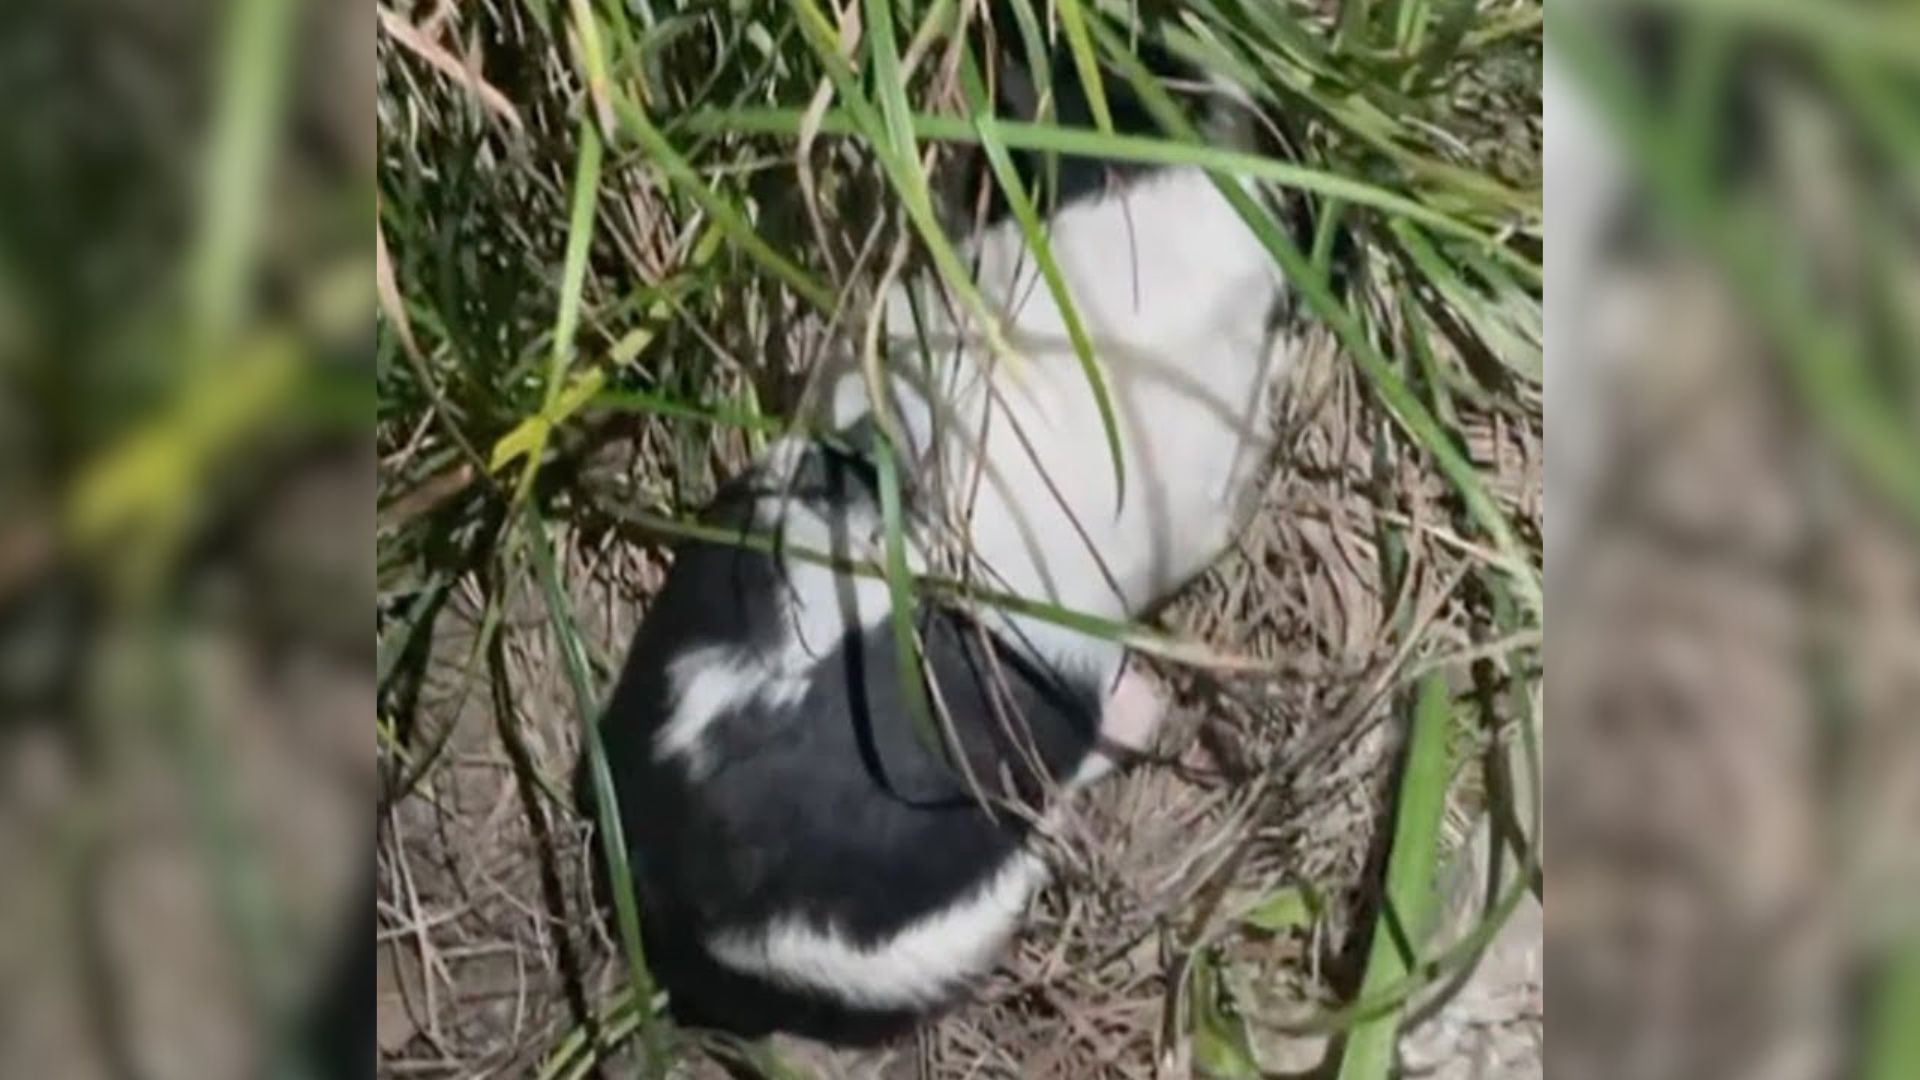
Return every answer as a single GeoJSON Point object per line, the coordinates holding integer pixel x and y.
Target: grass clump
{"type": "Point", "coordinates": [617, 239]}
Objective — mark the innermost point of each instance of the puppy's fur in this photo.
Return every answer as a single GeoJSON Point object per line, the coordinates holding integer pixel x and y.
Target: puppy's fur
{"type": "Point", "coordinates": [806, 859]}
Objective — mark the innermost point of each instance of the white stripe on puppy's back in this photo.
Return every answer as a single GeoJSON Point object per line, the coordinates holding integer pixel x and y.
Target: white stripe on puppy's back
{"type": "Point", "coordinates": [916, 967]}
{"type": "Point", "coordinates": [708, 684]}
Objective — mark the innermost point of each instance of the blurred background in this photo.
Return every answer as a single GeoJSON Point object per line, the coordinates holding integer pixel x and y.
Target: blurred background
{"type": "Point", "coordinates": [186, 507]}
{"type": "Point", "coordinates": [1733, 398]}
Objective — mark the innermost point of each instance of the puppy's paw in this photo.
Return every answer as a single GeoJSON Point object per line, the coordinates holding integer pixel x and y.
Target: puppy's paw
{"type": "Point", "coordinates": [1133, 716]}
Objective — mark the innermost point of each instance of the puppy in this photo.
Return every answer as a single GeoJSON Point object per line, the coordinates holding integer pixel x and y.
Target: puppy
{"type": "Point", "coordinates": [807, 860]}
{"type": "Point", "coordinates": [807, 857]}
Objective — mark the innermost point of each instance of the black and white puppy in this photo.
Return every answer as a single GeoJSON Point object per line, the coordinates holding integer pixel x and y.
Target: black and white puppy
{"type": "Point", "coordinates": [805, 860]}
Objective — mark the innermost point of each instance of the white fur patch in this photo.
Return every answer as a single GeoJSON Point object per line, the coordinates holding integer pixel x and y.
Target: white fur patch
{"type": "Point", "coordinates": [711, 682]}
{"type": "Point", "coordinates": [916, 967]}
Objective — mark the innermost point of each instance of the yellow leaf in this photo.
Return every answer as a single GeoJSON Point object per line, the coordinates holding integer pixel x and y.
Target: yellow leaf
{"type": "Point", "coordinates": [156, 471]}
{"type": "Point", "coordinates": [525, 439]}
{"type": "Point", "coordinates": [630, 346]}
{"type": "Point", "coordinates": [578, 393]}
{"type": "Point", "coordinates": [528, 438]}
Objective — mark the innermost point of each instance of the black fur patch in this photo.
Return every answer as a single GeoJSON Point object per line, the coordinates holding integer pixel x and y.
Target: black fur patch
{"type": "Point", "coordinates": [1076, 178]}
{"type": "Point", "coordinates": [836, 809]}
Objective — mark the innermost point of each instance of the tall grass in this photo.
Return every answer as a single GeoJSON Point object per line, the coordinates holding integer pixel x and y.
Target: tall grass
{"type": "Point", "coordinates": [706, 178]}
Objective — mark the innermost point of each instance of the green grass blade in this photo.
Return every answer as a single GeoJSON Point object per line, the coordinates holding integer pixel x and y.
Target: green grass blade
{"type": "Point", "coordinates": [641, 401]}
{"type": "Point", "coordinates": [573, 270]}
{"type": "Point", "coordinates": [1508, 323]}
{"type": "Point", "coordinates": [613, 842]}
{"type": "Point", "coordinates": [1893, 1039]}
{"type": "Point", "coordinates": [388, 650]}
{"type": "Point", "coordinates": [573, 277]}
{"type": "Point", "coordinates": [1136, 636]}
{"type": "Point", "coordinates": [1355, 18]}
{"type": "Point", "coordinates": [1456, 19]}
{"type": "Point", "coordinates": [900, 593]}
{"type": "Point", "coordinates": [1046, 102]}
{"type": "Point", "coordinates": [254, 62]}
{"type": "Point", "coordinates": [1415, 319]}
{"type": "Point", "coordinates": [1408, 22]}
{"type": "Point", "coordinates": [635, 123]}
{"type": "Point", "coordinates": [632, 119]}
{"type": "Point", "coordinates": [1037, 243]}
{"type": "Point", "coordinates": [1039, 58]}
{"type": "Point", "coordinates": [1054, 138]}
{"type": "Point", "coordinates": [1279, 30]}
{"type": "Point", "coordinates": [888, 80]}
{"type": "Point", "coordinates": [903, 173]}
{"type": "Point", "coordinates": [1221, 1047]}
{"type": "Point", "coordinates": [1086, 65]}
{"type": "Point", "coordinates": [1407, 910]}
{"type": "Point", "coordinates": [1367, 108]}
{"type": "Point", "coordinates": [423, 762]}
